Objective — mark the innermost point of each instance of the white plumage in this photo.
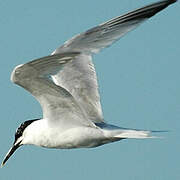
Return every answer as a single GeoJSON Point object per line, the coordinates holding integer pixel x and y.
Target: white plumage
{"type": "Point", "coordinates": [65, 84]}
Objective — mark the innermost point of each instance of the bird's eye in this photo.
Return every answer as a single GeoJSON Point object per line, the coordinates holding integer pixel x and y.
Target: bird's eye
{"type": "Point", "coordinates": [17, 72]}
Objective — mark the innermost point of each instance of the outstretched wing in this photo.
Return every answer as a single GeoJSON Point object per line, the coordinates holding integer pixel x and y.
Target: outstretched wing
{"type": "Point", "coordinates": [79, 76]}
{"type": "Point", "coordinates": [57, 103]}
{"type": "Point", "coordinates": [99, 37]}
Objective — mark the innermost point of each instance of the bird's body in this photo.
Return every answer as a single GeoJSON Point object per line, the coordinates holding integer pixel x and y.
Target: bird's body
{"type": "Point", "coordinates": [65, 85]}
{"type": "Point", "coordinates": [50, 136]}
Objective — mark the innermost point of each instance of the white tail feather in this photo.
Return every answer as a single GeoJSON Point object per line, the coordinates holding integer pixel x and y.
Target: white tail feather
{"type": "Point", "coordinates": [112, 131]}
{"type": "Point", "coordinates": [134, 134]}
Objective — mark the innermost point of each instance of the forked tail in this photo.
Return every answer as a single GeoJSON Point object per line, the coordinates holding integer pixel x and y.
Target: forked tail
{"type": "Point", "coordinates": [124, 133]}
{"type": "Point", "coordinates": [135, 134]}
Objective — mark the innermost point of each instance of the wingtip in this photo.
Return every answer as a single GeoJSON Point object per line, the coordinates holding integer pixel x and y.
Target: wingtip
{"type": "Point", "coordinates": [173, 1]}
{"type": "Point", "coordinates": [170, 1]}
{"type": "Point", "coordinates": [163, 4]}
{"type": "Point", "coordinates": [163, 131]}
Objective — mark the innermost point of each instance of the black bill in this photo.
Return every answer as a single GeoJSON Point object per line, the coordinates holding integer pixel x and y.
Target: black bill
{"type": "Point", "coordinates": [10, 152]}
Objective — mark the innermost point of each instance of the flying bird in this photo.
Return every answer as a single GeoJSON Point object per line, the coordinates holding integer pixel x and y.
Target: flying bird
{"type": "Point", "coordinates": [65, 85]}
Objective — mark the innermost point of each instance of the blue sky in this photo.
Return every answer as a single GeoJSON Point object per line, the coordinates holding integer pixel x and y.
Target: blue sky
{"type": "Point", "coordinates": [139, 85]}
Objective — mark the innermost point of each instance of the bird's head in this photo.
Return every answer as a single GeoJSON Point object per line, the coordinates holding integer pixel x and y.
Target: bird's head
{"type": "Point", "coordinates": [19, 136]}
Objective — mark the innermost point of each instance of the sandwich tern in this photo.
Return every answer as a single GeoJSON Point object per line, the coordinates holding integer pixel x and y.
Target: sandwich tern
{"type": "Point", "coordinates": [65, 85]}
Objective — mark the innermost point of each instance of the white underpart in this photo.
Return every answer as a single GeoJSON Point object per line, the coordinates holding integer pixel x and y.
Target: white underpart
{"type": "Point", "coordinates": [65, 84]}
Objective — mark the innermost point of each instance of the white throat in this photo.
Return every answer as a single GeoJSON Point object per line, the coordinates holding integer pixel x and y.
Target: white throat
{"type": "Point", "coordinates": [36, 133]}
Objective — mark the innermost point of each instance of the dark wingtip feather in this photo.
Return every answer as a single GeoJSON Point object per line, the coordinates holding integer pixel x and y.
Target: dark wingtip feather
{"type": "Point", "coordinates": [142, 13]}
{"type": "Point", "coordinates": [173, 1]}
{"type": "Point", "coordinates": [152, 9]}
{"type": "Point", "coordinates": [157, 7]}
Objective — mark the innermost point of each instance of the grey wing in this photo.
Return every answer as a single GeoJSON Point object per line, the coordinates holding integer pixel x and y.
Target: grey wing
{"type": "Point", "coordinates": [79, 76]}
{"type": "Point", "coordinates": [103, 35]}
{"type": "Point", "coordinates": [58, 105]}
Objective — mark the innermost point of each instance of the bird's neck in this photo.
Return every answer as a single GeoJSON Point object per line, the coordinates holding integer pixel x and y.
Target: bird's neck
{"type": "Point", "coordinates": [35, 133]}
